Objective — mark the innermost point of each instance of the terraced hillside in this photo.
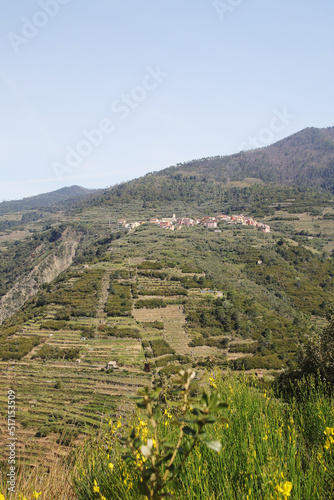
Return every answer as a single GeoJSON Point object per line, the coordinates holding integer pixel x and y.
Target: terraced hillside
{"type": "Point", "coordinates": [166, 299]}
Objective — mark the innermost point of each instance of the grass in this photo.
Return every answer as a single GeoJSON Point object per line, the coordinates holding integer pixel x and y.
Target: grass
{"type": "Point", "coordinates": [266, 445]}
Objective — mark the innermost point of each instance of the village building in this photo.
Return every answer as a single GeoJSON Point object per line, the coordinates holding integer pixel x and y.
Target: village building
{"type": "Point", "coordinates": [132, 225]}
{"type": "Point", "coordinates": [112, 365]}
{"type": "Point", "coordinates": [210, 223]}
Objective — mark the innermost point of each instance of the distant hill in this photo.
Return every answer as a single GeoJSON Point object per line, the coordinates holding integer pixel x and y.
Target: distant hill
{"type": "Point", "coordinates": [63, 195]}
{"type": "Point", "coordinates": [302, 159]}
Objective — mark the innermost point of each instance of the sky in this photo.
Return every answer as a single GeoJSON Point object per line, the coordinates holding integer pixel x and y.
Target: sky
{"type": "Point", "coordinates": [97, 93]}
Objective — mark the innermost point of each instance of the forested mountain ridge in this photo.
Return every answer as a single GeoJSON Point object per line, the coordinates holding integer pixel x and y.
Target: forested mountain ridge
{"type": "Point", "coordinates": [304, 160]}
{"type": "Point", "coordinates": [63, 195]}
{"type": "Point", "coordinates": [301, 159]}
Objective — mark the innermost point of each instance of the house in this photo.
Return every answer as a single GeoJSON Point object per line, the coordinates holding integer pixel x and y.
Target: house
{"type": "Point", "coordinates": [211, 223]}
{"type": "Point", "coordinates": [132, 225]}
{"type": "Point", "coordinates": [165, 224]}
{"type": "Point", "coordinates": [112, 365]}
{"type": "Point", "coordinates": [266, 228]}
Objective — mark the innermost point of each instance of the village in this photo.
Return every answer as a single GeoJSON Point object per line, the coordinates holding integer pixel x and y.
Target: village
{"type": "Point", "coordinates": [174, 223]}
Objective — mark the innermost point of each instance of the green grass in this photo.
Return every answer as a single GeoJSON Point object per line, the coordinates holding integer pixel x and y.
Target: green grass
{"type": "Point", "coordinates": [266, 444]}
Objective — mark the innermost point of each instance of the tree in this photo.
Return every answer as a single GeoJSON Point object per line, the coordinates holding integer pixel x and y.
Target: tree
{"type": "Point", "coordinates": [315, 357]}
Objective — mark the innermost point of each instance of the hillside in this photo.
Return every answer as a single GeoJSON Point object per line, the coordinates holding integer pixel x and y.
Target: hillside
{"type": "Point", "coordinates": [188, 298]}
{"type": "Point", "coordinates": [302, 159]}
{"type": "Point", "coordinates": [60, 196]}
{"type": "Point", "coordinates": [81, 289]}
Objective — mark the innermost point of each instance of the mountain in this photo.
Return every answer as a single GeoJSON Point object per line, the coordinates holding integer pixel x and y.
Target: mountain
{"type": "Point", "coordinates": [63, 195]}
{"type": "Point", "coordinates": [82, 294]}
{"type": "Point", "coordinates": [303, 159]}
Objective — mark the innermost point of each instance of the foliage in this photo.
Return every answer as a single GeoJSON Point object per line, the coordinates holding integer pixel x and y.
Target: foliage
{"type": "Point", "coordinates": [52, 352]}
{"type": "Point", "coordinates": [119, 301]}
{"type": "Point", "coordinates": [122, 333]}
{"type": "Point", "coordinates": [271, 361]}
{"type": "Point", "coordinates": [150, 303]}
{"type": "Point", "coordinates": [161, 347]}
{"type": "Point", "coordinates": [80, 294]}
{"type": "Point", "coordinates": [269, 449]}
{"type": "Point", "coordinates": [173, 357]}
{"type": "Point", "coordinates": [17, 347]}
{"type": "Point", "coordinates": [315, 358]}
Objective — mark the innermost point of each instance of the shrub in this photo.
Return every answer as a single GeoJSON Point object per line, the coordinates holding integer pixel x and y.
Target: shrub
{"type": "Point", "coordinates": [174, 357]}
{"type": "Point", "coordinates": [161, 347]}
{"type": "Point", "coordinates": [248, 348]}
{"type": "Point", "coordinates": [150, 303]}
{"type": "Point", "coordinates": [171, 369]}
{"type": "Point", "coordinates": [198, 341]}
{"type": "Point", "coordinates": [53, 325]}
{"type": "Point", "coordinates": [219, 343]}
{"type": "Point", "coordinates": [148, 264]}
{"type": "Point", "coordinates": [272, 362]}
{"type": "Point", "coordinates": [52, 352]}
{"type": "Point", "coordinates": [119, 301]}
{"type": "Point", "coordinates": [17, 348]}
{"type": "Point", "coordinates": [122, 333]}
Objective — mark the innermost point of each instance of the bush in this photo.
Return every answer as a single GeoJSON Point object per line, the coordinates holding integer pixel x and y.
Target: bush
{"type": "Point", "coordinates": [150, 303]}
{"type": "Point", "coordinates": [171, 369]}
{"type": "Point", "coordinates": [148, 264]}
{"type": "Point", "coordinates": [248, 348]}
{"type": "Point", "coordinates": [17, 348]}
{"type": "Point", "coordinates": [119, 301]}
{"type": "Point", "coordinates": [123, 333]}
{"type": "Point", "coordinates": [219, 343]}
{"type": "Point", "coordinates": [174, 357]}
{"type": "Point", "coordinates": [51, 352]}
{"type": "Point", "coordinates": [161, 347]}
{"type": "Point", "coordinates": [198, 341]}
{"type": "Point", "coordinates": [272, 362]}
{"type": "Point", "coordinates": [53, 325]}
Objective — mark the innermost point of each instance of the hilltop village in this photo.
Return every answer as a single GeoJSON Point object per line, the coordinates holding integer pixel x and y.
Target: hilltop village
{"type": "Point", "coordinates": [174, 223]}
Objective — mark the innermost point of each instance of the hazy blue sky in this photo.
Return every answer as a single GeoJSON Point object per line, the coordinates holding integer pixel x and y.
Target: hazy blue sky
{"type": "Point", "coordinates": [163, 81]}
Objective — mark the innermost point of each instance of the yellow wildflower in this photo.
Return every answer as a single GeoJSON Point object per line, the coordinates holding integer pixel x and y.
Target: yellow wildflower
{"type": "Point", "coordinates": [111, 466]}
{"type": "Point", "coordinates": [327, 444]}
{"type": "Point", "coordinates": [96, 488]}
{"type": "Point", "coordinates": [285, 489]}
{"type": "Point", "coordinates": [212, 382]}
{"type": "Point", "coordinates": [35, 495]}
